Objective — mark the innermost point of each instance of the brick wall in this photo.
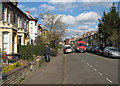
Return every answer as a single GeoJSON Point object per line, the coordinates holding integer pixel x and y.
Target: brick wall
{"type": "Point", "coordinates": [14, 76]}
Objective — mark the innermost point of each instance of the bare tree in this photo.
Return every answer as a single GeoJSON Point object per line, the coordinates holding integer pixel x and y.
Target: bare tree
{"type": "Point", "coordinates": [54, 25]}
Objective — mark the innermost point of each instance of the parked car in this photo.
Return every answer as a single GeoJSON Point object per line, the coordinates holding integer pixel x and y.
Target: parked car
{"type": "Point", "coordinates": [112, 52]}
{"type": "Point", "coordinates": [88, 48]}
{"type": "Point", "coordinates": [67, 49]}
{"type": "Point", "coordinates": [92, 49]}
{"type": "Point", "coordinates": [99, 50]}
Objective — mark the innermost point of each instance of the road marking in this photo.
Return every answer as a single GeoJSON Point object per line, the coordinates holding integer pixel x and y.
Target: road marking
{"type": "Point", "coordinates": [90, 66]}
{"type": "Point", "coordinates": [64, 68]}
{"type": "Point", "coordinates": [95, 69]}
{"type": "Point", "coordinates": [83, 60]}
{"type": "Point", "coordinates": [87, 63]}
{"type": "Point", "coordinates": [100, 73]}
{"type": "Point", "coordinates": [109, 80]}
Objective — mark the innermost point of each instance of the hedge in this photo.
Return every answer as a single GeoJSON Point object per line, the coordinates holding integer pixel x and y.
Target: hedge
{"type": "Point", "coordinates": [28, 52]}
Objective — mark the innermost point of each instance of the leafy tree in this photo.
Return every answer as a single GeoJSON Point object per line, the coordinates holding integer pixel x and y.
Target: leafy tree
{"type": "Point", "coordinates": [109, 25]}
{"type": "Point", "coordinates": [55, 27]}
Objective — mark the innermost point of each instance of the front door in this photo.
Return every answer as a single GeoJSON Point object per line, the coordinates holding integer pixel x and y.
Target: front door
{"type": "Point", "coordinates": [14, 42]}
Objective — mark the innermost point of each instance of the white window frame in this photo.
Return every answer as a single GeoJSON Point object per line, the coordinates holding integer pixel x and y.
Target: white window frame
{"type": "Point", "coordinates": [8, 15]}
{"type": "Point", "coordinates": [25, 24]}
{"type": "Point", "coordinates": [4, 42]}
{"type": "Point", "coordinates": [20, 22]}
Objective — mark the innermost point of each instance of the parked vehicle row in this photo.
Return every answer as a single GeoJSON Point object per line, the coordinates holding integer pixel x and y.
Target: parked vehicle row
{"type": "Point", "coordinates": [81, 47]}
{"type": "Point", "coordinates": [104, 51]}
{"type": "Point", "coordinates": [78, 47]}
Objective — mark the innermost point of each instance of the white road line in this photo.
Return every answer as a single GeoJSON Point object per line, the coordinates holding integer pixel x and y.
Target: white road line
{"type": "Point", "coordinates": [109, 80]}
{"type": "Point", "coordinates": [100, 73]}
{"type": "Point", "coordinates": [95, 69]}
{"type": "Point", "coordinates": [83, 60]}
{"type": "Point", "coordinates": [87, 63]}
{"type": "Point", "coordinates": [90, 66]}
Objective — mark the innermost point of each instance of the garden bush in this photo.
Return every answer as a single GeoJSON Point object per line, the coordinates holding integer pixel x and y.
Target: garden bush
{"type": "Point", "coordinates": [54, 53]}
{"type": "Point", "coordinates": [12, 66]}
{"type": "Point", "coordinates": [28, 52]}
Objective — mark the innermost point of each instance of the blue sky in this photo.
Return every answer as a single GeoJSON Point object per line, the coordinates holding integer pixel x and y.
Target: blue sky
{"type": "Point", "coordinates": [80, 17]}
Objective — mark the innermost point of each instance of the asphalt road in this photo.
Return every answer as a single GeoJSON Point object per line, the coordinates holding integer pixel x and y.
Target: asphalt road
{"type": "Point", "coordinates": [76, 68]}
{"type": "Point", "coordinates": [87, 68]}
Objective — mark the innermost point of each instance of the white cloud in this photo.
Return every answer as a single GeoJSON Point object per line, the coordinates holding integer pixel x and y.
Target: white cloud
{"type": "Point", "coordinates": [89, 18]}
{"type": "Point", "coordinates": [63, 4]}
{"type": "Point", "coordinates": [32, 9]}
{"type": "Point", "coordinates": [87, 5]}
{"type": "Point", "coordinates": [47, 7]}
{"type": "Point", "coordinates": [57, 1]}
{"type": "Point", "coordinates": [72, 33]}
{"type": "Point", "coordinates": [96, 0]}
{"type": "Point", "coordinates": [21, 6]}
{"type": "Point", "coordinates": [65, 0]}
{"type": "Point", "coordinates": [79, 31]}
{"type": "Point", "coordinates": [36, 15]}
{"type": "Point", "coordinates": [85, 27]}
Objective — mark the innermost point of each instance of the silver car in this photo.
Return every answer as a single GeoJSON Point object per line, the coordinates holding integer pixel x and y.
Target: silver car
{"type": "Point", "coordinates": [112, 52]}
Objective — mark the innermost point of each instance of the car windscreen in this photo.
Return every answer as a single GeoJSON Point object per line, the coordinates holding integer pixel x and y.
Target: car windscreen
{"type": "Point", "coordinates": [68, 47]}
{"type": "Point", "coordinates": [80, 44]}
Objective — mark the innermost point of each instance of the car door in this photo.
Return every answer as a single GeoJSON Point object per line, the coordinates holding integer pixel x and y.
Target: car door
{"type": "Point", "coordinates": [105, 51]}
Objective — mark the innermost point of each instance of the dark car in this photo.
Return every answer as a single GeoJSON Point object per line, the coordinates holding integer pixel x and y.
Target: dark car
{"type": "Point", "coordinates": [92, 49]}
{"type": "Point", "coordinates": [99, 50]}
{"type": "Point", "coordinates": [88, 48]}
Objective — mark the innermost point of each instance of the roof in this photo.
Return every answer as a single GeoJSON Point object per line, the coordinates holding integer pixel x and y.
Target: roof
{"type": "Point", "coordinates": [92, 31]}
{"type": "Point", "coordinates": [29, 15]}
{"type": "Point", "coordinates": [39, 24]}
{"type": "Point", "coordinates": [15, 7]}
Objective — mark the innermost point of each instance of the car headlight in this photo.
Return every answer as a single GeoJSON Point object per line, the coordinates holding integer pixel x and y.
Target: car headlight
{"type": "Point", "coordinates": [114, 53]}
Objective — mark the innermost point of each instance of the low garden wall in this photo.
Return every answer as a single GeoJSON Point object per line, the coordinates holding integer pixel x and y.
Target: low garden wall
{"type": "Point", "coordinates": [18, 74]}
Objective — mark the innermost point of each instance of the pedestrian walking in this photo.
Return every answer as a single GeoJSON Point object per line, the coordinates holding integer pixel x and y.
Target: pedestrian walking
{"type": "Point", "coordinates": [47, 53]}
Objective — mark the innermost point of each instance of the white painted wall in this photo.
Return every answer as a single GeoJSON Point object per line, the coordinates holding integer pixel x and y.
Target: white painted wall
{"type": "Point", "coordinates": [32, 30]}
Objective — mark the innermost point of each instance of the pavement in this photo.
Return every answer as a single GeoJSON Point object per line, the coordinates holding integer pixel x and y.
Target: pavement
{"type": "Point", "coordinates": [48, 73]}
{"type": "Point", "coordinates": [76, 68]}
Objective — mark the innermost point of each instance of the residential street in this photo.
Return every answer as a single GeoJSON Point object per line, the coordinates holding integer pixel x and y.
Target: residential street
{"type": "Point", "coordinates": [76, 68]}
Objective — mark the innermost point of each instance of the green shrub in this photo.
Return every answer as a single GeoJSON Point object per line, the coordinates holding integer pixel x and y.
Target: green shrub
{"type": "Point", "coordinates": [53, 53]}
{"type": "Point", "coordinates": [27, 52]}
